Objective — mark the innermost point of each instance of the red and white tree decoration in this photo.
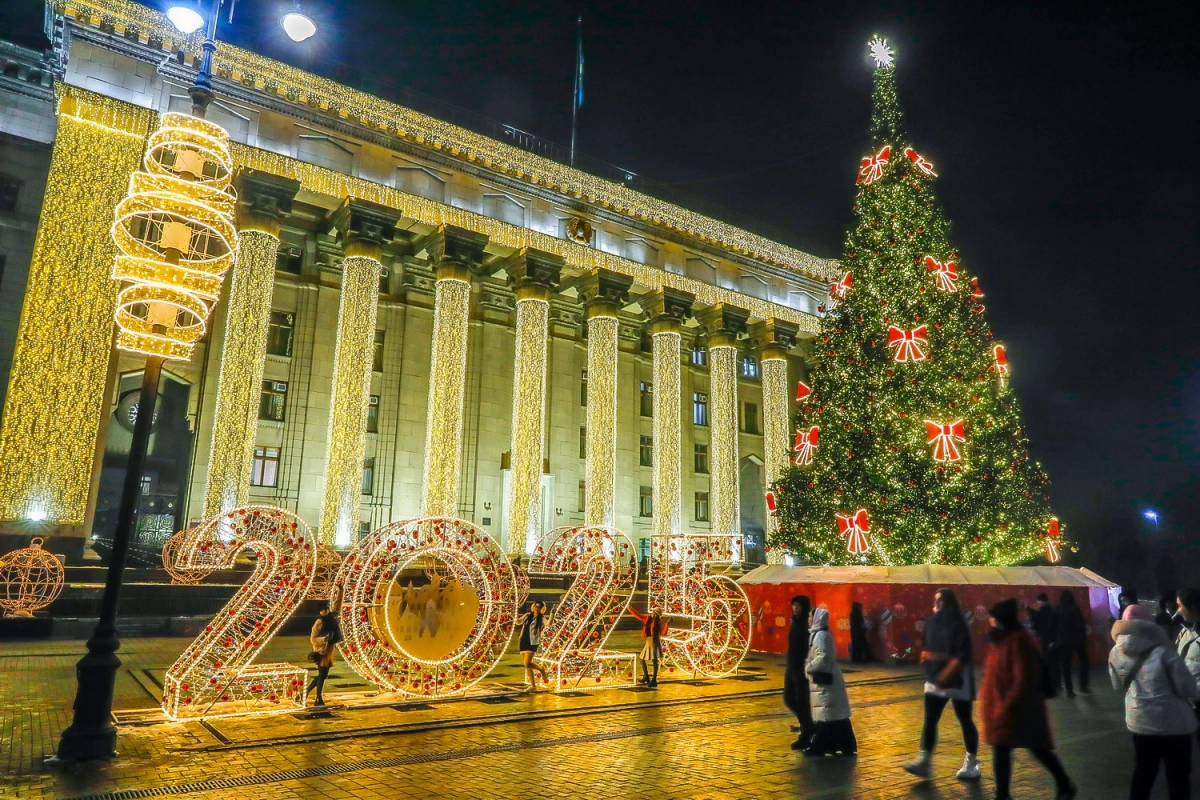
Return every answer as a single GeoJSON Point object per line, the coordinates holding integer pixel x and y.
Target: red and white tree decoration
{"type": "Point", "coordinates": [1052, 535]}
{"type": "Point", "coordinates": [1001, 361]}
{"type": "Point", "coordinates": [837, 291]}
{"type": "Point", "coordinates": [946, 274]}
{"type": "Point", "coordinates": [920, 162]}
{"type": "Point", "coordinates": [944, 438]}
{"type": "Point", "coordinates": [872, 167]}
{"type": "Point", "coordinates": [803, 390]}
{"type": "Point", "coordinates": [806, 445]}
{"type": "Point", "coordinates": [855, 528]}
{"type": "Point", "coordinates": [910, 345]}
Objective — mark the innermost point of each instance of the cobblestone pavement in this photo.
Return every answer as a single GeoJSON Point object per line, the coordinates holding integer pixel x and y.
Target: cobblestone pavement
{"type": "Point", "coordinates": [707, 739]}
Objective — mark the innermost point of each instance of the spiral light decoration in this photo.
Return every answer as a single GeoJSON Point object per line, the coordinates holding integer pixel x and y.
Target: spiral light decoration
{"type": "Point", "coordinates": [176, 238]}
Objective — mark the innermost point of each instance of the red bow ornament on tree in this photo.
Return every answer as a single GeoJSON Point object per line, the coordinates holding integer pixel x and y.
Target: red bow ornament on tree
{"type": "Point", "coordinates": [910, 345]}
{"type": "Point", "coordinates": [806, 445]}
{"type": "Point", "coordinates": [802, 391]}
{"type": "Point", "coordinates": [920, 162]}
{"type": "Point", "coordinates": [837, 291]}
{"type": "Point", "coordinates": [943, 438]}
{"type": "Point", "coordinates": [946, 274]}
{"type": "Point", "coordinates": [855, 527]}
{"type": "Point", "coordinates": [976, 292]}
{"type": "Point", "coordinates": [872, 168]}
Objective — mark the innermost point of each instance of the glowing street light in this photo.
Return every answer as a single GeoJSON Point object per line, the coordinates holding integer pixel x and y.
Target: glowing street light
{"type": "Point", "coordinates": [1151, 515]}
{"type": "Point", "coordinates": [186, 18]}
{"type": "Point", "coordinates": [298, 25]}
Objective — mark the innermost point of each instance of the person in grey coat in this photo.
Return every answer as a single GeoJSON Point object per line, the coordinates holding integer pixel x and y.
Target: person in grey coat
{"type": "Point", "coordinates": [833, 735]}
{"type": "Point", "coordinates": [1187, 644]}
{"type": "Point", "coordinates": [1159, 691]}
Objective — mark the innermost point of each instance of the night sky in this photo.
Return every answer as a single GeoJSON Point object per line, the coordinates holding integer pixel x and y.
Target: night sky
{"type": "Point", "coordinates": [1064, 135]}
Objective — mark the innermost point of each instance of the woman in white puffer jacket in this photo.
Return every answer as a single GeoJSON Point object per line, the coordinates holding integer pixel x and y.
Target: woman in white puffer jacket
{"type": "Point", "coordinates": [834, 735]}
{"type": "Point", "coordinates": [1187, 644]}
{"type": "Point", "coordinates": [1158, 689]}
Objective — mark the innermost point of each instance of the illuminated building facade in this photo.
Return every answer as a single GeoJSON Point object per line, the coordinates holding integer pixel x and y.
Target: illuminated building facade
{"type": "Point", "coordinates": [575, 352]}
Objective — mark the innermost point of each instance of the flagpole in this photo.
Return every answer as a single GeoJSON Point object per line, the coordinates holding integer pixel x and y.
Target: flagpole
{"type": "Point", "coordinates": [578, 77]}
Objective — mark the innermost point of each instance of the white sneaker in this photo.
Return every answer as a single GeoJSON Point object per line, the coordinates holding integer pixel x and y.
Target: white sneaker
{"type": "Point", "coordinates": [919, 766]}
{"type": "Point", "coordinates": [970, 769]}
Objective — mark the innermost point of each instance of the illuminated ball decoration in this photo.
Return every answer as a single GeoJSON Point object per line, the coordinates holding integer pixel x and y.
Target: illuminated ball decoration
{"type": "Point", "coordinates": [572, 646]}
{"type": "Point", "coordinates": [216, 675]}
{"type": "Point", "coordinates": [173, 549]}
{"type": "Point", "coordinates": [30, 579]}
{"type": "Point", "coordinates": [432, 640]}
{"type": "Point", "coordinates": [176, 238]}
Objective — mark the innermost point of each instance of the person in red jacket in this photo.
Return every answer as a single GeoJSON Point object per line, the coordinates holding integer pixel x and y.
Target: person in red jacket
{"type": "Point", "coordinates": [653, 628]}
{"type": "Point", "coordinates": [1011, 703]}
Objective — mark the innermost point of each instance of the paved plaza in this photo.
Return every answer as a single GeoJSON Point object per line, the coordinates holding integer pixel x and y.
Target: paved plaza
{"type": "Point", "coordinates": [705, 739]}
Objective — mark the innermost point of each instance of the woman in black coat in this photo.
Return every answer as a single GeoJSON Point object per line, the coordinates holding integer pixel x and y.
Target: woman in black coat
{"type": "Point", "coordinates": [860, 651]}
{"type": "Point", "coordinates": [795, 682]}
{"type": "Point", "coordinates": [1071, 641]}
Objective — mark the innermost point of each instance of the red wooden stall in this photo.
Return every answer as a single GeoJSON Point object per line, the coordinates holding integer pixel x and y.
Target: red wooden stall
{"type": "Point", "coordinates": [897, 600]}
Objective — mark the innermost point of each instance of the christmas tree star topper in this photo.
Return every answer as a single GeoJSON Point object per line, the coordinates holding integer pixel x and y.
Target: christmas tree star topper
{"type": "Point", "coordinates": [881, 52]}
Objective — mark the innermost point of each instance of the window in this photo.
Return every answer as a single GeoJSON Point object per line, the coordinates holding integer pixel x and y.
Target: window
{"type": "Point", "coordinates": [377, 353]}
{"type": "Point", "coordinates": [749, 367]}
{"type": "Point", "coordinates": [10, 192]}
{"type": "Point", "coordinates": [701, 506]}
{"type": "Point", "coordinates": [583, 441]}
{"type": "Point", "coordinates": [583, 388]}
{"type": "Point", "coordinates": [373, 414]}
{"type": "Point", "coordinates": [699, 355]}
{"type": "Point", "coordinates": [646, 452]}
{"type": "Point", "coordinates": [421, 182]}
{"type": "Point", "coordinates": [645, 501]}
{"type": "Point", "coordinates": [273, 403]}
{"type": "Point", "coordinates": [290, 259]}
{"type": "Point", "coordinates": [364, 530]}
{"type": "Point", "coordinates": [646, 398]}
{"type": "Point", "coordinates": [750, 418]}
{"type": "Point", "coordinates": [700, 454]}
{"type": "Point", "coordinates": [279, 333]}
{"type": "Point", "coordinates": [368, 480]}
{"type": "Point", "coordinates": [383, 280]}
{"type": "Point", "coordinates": [699, 408]}
{"type": "Point", "coordinates": [265, 471]}
{"type": "Point", "coordinates": [503, 207]}
{"type": "Point", "coordinates": [582, 496]}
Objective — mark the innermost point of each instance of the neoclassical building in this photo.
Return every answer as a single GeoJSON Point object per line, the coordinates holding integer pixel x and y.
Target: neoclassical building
{"type": "Point", "coordinates": [421, 319]}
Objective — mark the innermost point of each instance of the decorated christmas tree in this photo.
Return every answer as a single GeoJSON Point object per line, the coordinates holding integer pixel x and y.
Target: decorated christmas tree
{"type": "Point", "coordinates": [910, 447]}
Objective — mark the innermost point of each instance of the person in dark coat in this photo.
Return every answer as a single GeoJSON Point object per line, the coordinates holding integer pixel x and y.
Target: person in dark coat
{"type": "Point", "coordinates": [325, 634]}
{"type": "Point", "coordinates": [860, 652]}
{"type": "Point", "coordinates": [1011, 705]}
{"type": "Point", "coordinates": [1070, 641]}
{"type": "Point", "coordinates": [1044, 627]}
{"type": "Point", "coordinates": [795, 682]}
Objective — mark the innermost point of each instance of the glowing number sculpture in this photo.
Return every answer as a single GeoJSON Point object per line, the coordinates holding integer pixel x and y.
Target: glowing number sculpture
{"type": "Point", "coordinates": [572, 644]}
{"type": "Point", "coordinates": [30, 578]}
{"type": "Point", "coordinates": [522, 578]}
{"type": "Point", "coordinates": [216, 675]}
{"type": "Point", "coordinates": [709, 614]}
{"type": "Point", "coordinates": [328, 563]}
{"type": "Point", "coordinates": [432, 640]}
{"type": "Point", "coordinates": [173, 549]}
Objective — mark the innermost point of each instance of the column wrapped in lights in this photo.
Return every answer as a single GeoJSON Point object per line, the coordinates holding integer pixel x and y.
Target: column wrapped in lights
{"type": "Point", "coordinates": [667, 309]}
{"type": "Point", "coordinates": [774, 339]}
{"type": "Point", "coordinates": [364, 229]}
{"type": "Point", "coordinates": [453, 251]}
{"type": "Point", "coordinates": [533, 274]}
{"type": "Point", "coordinates": [723, 324]}
{"type": "Point", "coordinates": [603, 293]}
{"type": "Point", "coordinates": [262, 198]}
{"type": "Point", "coordinates": [56, 391]}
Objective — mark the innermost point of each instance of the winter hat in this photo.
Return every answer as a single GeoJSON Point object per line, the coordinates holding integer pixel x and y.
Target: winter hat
{"type": "Point", "coordinates": [1137, 612]}
{"type": "Point", "coordinates": [1005, 613]}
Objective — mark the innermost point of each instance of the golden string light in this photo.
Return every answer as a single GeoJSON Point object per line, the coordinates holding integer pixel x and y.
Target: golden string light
{"type": "Point", "coordinates": [723, 440]}
{"type": "Point", "coordinates": [281, 81]}
{"type": "Point", "coordinates": [175, 234]}
{"type": "Point", "coordinates": [329, 561]}
{"type": "Point", "coordinates": [216, 675]}
{"type": "Point", "coordinates": [528, 424]}
{"type": "Point", "coordinates": [174, 550]}
{"type": "Point", "coordinates": [30, 579]}
{"type": "Point", "coordinates": [56, 393]}
{"type": "Point", "coordinates": [668, 496]}
{"type": "Point", "coordinates": [243, 356]}
{"type": "Point", "coordinates": [600, 470]}
{"type": "Point", "coordinates": [346, 435]}
{"type": "Point", "coordinates": [447, 385]}
{"type": "Point", "coordinates": [434, 640]}
{"type": "Point", "coordinates": [572, 645]}
{"type": "Point", "coordinates": [775, 431]}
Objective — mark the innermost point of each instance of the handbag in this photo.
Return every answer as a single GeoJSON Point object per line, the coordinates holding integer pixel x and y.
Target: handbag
{"type": "Point", "coordinates": [822, 678]}
{"type": "Point", "coordinates": [315, 656]}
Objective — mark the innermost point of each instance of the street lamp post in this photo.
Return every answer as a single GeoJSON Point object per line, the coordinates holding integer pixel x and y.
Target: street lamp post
{"type": "Point", "coordinates": [92, 733]}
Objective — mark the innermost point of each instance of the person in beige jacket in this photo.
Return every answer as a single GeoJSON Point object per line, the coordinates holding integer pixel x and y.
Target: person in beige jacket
{"type": "Point", "coordinates": [323, 640]}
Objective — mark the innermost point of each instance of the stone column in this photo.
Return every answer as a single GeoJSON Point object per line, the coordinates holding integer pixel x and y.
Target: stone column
{"type": "Point", "coordinates": [668, 308]}
{"type": "Point", "coordinates": [723, 324]}
{"type": "Point", "coordinates": [533, 275]}
{"type": "Point", "coordinates": [453, 252]}
{"type": "Point", "coordinates": [364, 228]}
{"type": "Point", "coordinates": [263, 201]}
{"type": "Point", "coordinates": [774, 338]}
{"type": "Point", "coordinates": [603, 294]}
